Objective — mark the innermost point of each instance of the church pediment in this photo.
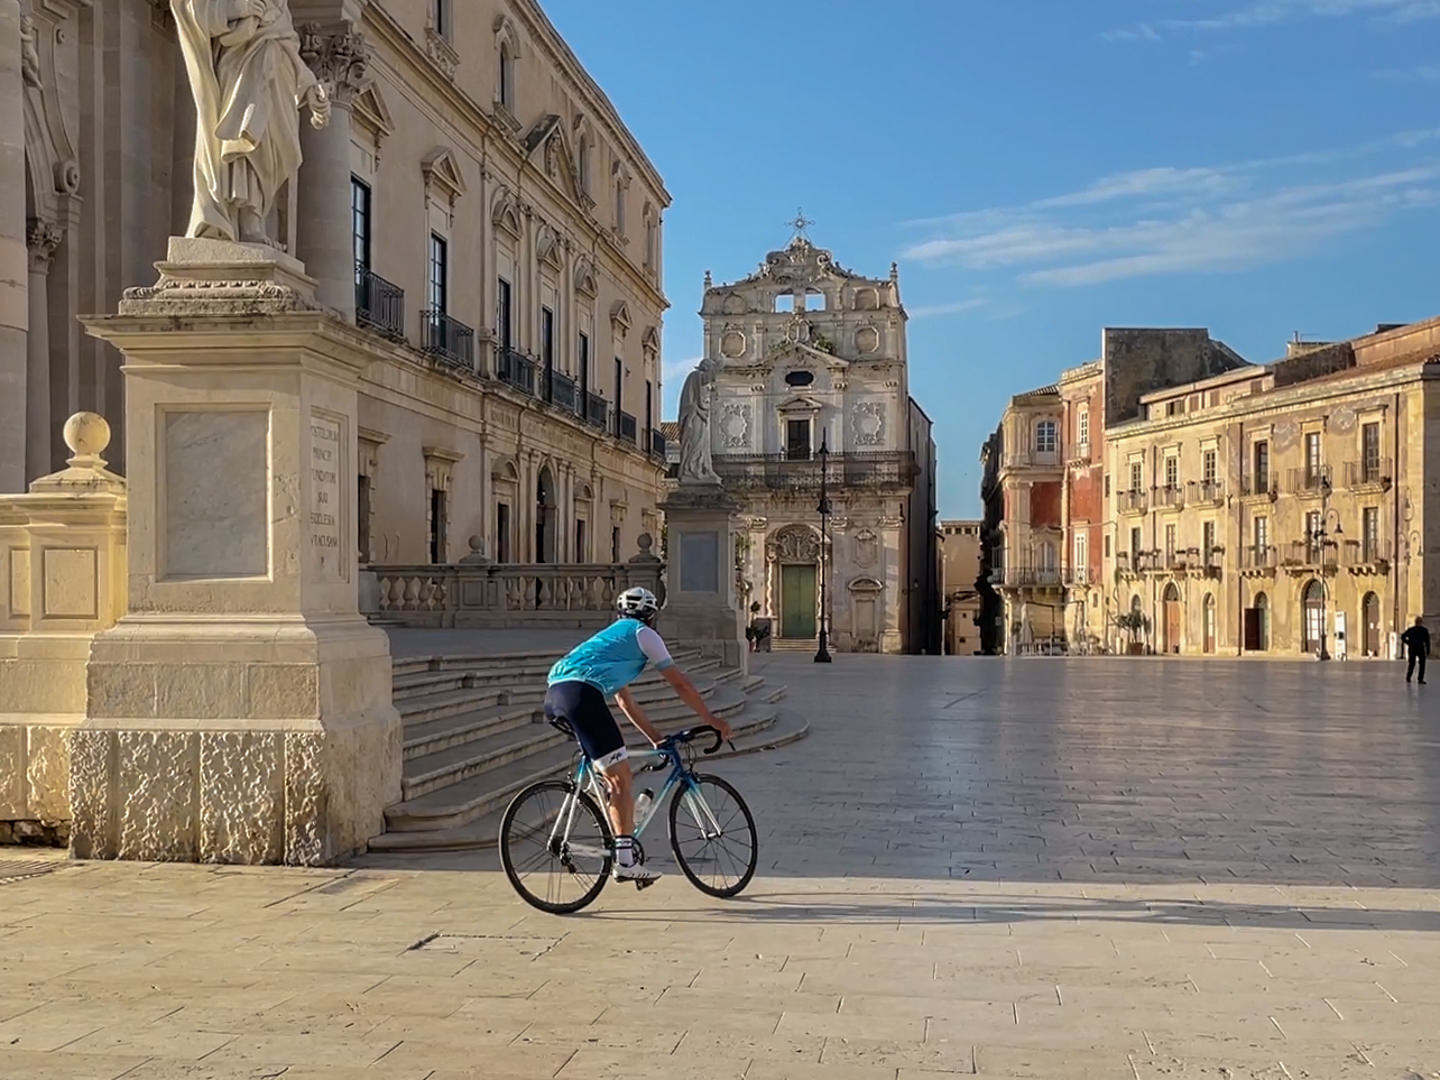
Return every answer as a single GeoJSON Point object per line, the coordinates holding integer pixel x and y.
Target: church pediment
{"type": "Point", "coordinates": [800, 403]}
{"type": "Point", "coordinates": [802, 354]}
{"type": "Point", "coordinates": [442, 173]}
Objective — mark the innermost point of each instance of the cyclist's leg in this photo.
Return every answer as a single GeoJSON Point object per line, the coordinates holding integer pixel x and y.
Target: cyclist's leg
{"type": "Point", "coordinates": [599, 736]}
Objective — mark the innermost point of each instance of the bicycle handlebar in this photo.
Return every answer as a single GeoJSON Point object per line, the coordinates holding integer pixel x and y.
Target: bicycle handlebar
{"type": "Point", "coordinates": [694, 733]}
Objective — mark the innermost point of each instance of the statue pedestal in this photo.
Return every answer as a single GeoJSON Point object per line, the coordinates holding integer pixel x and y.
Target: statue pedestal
{"type": "Point", "coordinates": [700, 609]}
{"type": "Point", "coordinates": [240, 710]}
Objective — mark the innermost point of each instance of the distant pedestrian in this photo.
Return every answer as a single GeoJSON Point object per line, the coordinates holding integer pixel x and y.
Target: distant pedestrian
{"type": "Point", "coordinates": [1417, 647]}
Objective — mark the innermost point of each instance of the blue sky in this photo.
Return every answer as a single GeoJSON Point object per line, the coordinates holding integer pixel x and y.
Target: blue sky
{"type": "Point", "coordinates": [1043, 168]}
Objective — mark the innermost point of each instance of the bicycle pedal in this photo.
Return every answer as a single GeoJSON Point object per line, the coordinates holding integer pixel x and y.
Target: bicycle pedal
{"type": "Point", "coordinates": [641, 886]}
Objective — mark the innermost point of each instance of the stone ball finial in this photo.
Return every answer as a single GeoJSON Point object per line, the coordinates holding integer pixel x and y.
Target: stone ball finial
{"type": "Point", "coordinates": [87, 434]}
{"type": "Point", "coordinates": [645, 542]}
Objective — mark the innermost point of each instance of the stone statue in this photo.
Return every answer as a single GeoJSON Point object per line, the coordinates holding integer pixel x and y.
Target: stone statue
{"type": "Point", "coordinates": [695, 463]}
{"type": "Point", "coordinates": [249, 82]}
{"type": "Point", "coordinates": [29, 53]}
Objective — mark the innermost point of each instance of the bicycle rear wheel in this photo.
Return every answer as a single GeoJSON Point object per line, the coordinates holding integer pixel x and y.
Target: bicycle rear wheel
{"type": "Point", "coordinates": [555, 868]}
{"type": "Point", "coordinates": [713, 836]}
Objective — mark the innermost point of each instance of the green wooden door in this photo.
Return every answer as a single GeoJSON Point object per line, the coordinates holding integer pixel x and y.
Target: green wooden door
{"type": "Point", "coordinates": [797, 601]}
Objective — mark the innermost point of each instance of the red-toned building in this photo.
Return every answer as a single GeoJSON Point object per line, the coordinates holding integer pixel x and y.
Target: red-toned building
{"type": "Point", "coordinates": [1082, 400]}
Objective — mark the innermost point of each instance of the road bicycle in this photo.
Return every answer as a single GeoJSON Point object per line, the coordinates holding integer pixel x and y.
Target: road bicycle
{"type": "Point", "coordinates": [557, 846]}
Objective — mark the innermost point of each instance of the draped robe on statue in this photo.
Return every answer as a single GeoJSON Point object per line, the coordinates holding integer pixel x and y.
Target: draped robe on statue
{"type": "Point", "coordinates": [248, 81]}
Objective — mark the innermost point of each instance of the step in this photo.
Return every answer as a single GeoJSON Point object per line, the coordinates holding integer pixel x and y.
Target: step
{"type": "Point", "coordinates": [435, 735]}
{"type": "Point", "coordinates": [438, 706]}
{"type": "Point", "coordinates": [482, 831]}
{"type": "Point", "coordinates": [492, 787]}
{"type": "Point", "coordinates": [447, 768]}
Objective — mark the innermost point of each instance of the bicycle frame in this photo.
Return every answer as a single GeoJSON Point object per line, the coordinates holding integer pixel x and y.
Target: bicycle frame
{"type": "Point", "coordinates": [587, 778]}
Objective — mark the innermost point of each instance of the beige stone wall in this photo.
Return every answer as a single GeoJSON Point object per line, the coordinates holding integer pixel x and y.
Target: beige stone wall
{"type": "Point", "coordinates": [545, 188]}
{"type": "Point", "coordinates": [1336, 410]}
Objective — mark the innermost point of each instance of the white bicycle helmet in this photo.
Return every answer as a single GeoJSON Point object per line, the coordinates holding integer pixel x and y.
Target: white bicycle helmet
{"type": "Point", "coordinates": [637, 603]}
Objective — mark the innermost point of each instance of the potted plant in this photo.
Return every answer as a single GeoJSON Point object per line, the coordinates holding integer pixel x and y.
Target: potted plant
{"type": "Point", "coordinates": [1133, 623]}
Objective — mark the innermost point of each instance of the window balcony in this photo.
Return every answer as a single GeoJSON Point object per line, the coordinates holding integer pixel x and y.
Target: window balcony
{"type": "Point", "coordinates": [448, 340]}
{"type": "Point", "coordinates": [597, 411]}
{"type": "Point", "coordinates": [1031, 577]}
{"type": "Point", "coordinates": [1312, 481]}
{"type": "Point", "coordinates": [1133, 502]}
{"type": "Point", "coordinates": [1171, 497]}
{"type": "Point", "coordinates": [1372, 474]}
{"type": "Point", "coordinates": [1210, 493]}
{"type": "Point", "coordinates": [657, 445]}
{"type": "Point", "coordinates": [379, 304]}
{"type": "Point", "coordinates": [880, 469]}
{"type": "Point", "coordinates": [515, 368]}
{"type": "Point", "coordinates": [1310, 556]}
{"type": "Point", "coordinates": [1264, 485]}
{"type": "Point", "coordinates": [627, 429]}
{"type": "Point", "coordinates": [1370, 555]}
{"type": "Point", "coordinates": [563, 392]}
{"type": "Point", "coordinates": [1257, 559]}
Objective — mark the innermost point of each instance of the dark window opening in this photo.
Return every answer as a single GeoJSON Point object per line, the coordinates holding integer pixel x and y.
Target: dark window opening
{"type": "Point", "coordinates": [502, 532]}
{"type": "Point", "coordinates": [437, 527]}
{"type": "Point", "coordinates": [799, 378]}
{"type": "Point", "coordinates": [797, 440]}
{"type": "Point", "coordinates": [362, 511]}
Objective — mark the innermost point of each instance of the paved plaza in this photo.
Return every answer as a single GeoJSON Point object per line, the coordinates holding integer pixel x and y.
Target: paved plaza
{"type": "Point", "coordinates": [1039, 868]}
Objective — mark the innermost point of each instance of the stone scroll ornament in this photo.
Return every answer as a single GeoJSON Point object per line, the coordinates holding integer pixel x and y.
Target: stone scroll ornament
{"type": "Point", "coordinates": [249, 83]}
{"type": "Point", "coordinates": [696, 465]}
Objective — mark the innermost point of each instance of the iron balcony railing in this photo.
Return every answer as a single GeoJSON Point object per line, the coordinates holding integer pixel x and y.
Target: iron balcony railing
{"type": "Point", "coordinates": [1257, 557]}
{"type": "Point", "coordinates": [597, 410]}
{"type": "Point", "coordinates": [1031, 576]}
{"type": "Point", "coordinates": [1170, 498]}
{"type": "Point", "coordinates": [1370, 551]}
{"type": "Point", "coordinates": [1371, 471]}
{"type": "Point", "coordinates": [515, 368]}
{"type": "Point", "coordinates": [878, 469]}
{"type": "Point", "coordinates": [1310, 480]}
{"type": "Point", "coordinates": [657, 444]}
{"type": "Point", "coordinates": [564, 394]}
{"type": "Point", "coordinates": [627, 430]}
{"type": "Point", "coordinates": [1261, 484]}
{"type": "Point", "coordinates": [1133, 502]}
{"type": "Point", "coordinates": [1311, 553]}
{"type": "Point", "coordinates": [379, 304]}
{"type": "Point", "coordinates": [448, 340]}
{"type": "Point", "coordinates": [1210, 491]}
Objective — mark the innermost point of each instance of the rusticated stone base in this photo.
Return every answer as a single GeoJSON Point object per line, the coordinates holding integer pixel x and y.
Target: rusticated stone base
{"type": "Point", "coordinates": [34, 783]}
{"type": "Point", "coordinates": [229, 745]}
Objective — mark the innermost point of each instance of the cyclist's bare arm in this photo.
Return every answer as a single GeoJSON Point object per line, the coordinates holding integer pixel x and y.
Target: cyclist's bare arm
{"type": "Point", "coordinates": [690, 696]}
{"type": "Point", "coordinates": [631, 708]}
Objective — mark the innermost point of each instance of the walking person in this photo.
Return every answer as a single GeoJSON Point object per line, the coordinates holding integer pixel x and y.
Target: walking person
{"type": "Point", "coordinates": [1417, 647]}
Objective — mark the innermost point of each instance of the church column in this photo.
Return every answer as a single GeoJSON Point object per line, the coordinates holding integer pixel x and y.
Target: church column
{"type": "Point", "coordinates": [487, 501]}
{"type": "Point", "coordinates": [324, 231]}
{"type": "Point", "coordinates": [42, 238]}
{"type": "Point", "coordinates": [525, 512]}
{"type": "Point", "coordinates": [14, 315]}
{"type": "Point", "coordinates": [564, 552]}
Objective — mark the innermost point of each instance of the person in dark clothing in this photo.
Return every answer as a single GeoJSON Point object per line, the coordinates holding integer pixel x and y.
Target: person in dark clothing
{"type": "Point", "coordinates": [1417, 647]}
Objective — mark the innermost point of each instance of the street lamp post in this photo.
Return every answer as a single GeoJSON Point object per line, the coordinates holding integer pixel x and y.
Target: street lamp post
{"type": "Point", "coordinates": [822, 654]}
{"type": "Point", "coordinates": [1320, 539]}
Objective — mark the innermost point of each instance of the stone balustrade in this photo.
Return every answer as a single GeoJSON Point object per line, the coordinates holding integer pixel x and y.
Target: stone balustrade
{"type": "Point", "coordinates": [62, 581]}
{"type": "Point", "coordinates": [504, 596]}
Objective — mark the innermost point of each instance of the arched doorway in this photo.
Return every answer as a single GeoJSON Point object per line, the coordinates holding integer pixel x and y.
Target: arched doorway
{"type": "Point", "coordinates": [1173, 613]}
{"type": "Point", "coordinates": [1370, 625]}
{"type": "Point", "coordinates": [793, 557]}
{"type": "Point", "coordinates": [546, 507]}
{"type": "Point", "coordinates": [1210, 622]}
{"type": "Point", "coordinates": [1312, 616]}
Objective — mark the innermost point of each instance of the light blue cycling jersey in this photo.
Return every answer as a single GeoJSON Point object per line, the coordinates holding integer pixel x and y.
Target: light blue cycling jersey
{"type": "Point", "coordinates": [613, 658]}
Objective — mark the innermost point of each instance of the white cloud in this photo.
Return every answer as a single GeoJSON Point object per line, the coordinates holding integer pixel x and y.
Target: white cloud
{"type": "Point", "coordinates": [1420, 73]}
{"type": "Point", "coordinates": [1265, 13]}
{"type": "Point", "coordinates": [676, 370]}
{"type": "Point", "coordinates": [1171, 220]}
{"type": "Point", "coordinates": [953, 307]}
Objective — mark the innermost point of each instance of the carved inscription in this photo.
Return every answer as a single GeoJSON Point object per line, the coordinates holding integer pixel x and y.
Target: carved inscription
{"type": "Point", "coordinates": [326, 508]}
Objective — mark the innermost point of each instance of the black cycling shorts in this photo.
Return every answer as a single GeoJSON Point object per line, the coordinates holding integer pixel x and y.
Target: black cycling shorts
{"type": "Point", "coordinates": [583, 707]}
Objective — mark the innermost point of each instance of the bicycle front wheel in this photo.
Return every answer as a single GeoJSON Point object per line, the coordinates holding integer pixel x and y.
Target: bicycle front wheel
{"type": "Point", "coordinates": [713, 836]}
{"type": "Point", "coordinates": [555, 847]}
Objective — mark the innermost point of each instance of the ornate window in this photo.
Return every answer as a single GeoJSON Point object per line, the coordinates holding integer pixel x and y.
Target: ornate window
{"type": "Point", "coordinates": [1046, 438]}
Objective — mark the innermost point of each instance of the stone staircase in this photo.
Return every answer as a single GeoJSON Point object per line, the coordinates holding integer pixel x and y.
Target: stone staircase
{"type": "Point", "coordinates": [794, 645]}
{"type": "Point", "coordinates": [475, 734]}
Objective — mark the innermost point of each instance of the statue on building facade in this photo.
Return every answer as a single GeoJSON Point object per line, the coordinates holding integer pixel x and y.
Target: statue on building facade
{"type": "Point", "coordinates": [696, 466]}
{"type": "Point", "coordinates": [249, 83]}
{"type": "Point", "coordinates": [29, 52]}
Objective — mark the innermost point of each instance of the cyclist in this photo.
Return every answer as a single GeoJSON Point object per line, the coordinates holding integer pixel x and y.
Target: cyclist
{"type": "Point", "coordinates": [604, 666]}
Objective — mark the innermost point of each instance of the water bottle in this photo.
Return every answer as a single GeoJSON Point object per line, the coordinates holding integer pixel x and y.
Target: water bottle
{"type": "Point", "coordinates": [643, 803]}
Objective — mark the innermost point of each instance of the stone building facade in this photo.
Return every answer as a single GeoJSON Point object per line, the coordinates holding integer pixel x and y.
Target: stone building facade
{"type": "Point", "coordinates": [475, 203]}
{"type": "Point", "coordinates": [1280, 508]}
{"type": "Point", "coordinates": [959, 575]}
{"type": "Point", "coordinates": [812, 356]}
{"type": "Point", "coordinates": [1024, 497]}
{"type": "Point", "coordinates": [1083, 503]}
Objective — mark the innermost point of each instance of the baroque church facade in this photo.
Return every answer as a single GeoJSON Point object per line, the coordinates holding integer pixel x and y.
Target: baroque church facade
{"type": "Point", "coordinates": [811, 378]}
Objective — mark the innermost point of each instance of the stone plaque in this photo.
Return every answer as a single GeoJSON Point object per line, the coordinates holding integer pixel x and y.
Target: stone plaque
{"type": "Point", "coordinates": [70, 583]}
{"type": "Point", "coordinates": [700, 562]}
{"type": "Point", "coordinates": [215, 477]}
{"type": "Point", "coordinates": [327, 507]}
